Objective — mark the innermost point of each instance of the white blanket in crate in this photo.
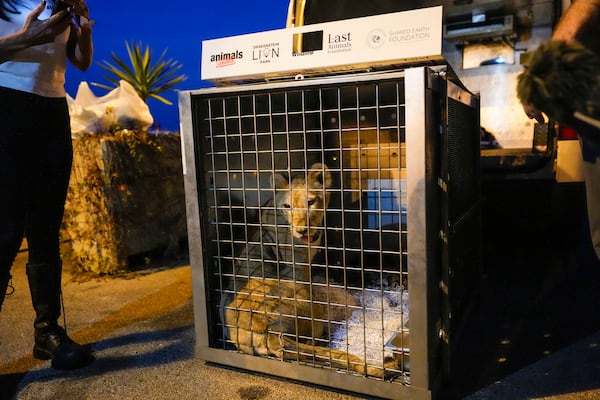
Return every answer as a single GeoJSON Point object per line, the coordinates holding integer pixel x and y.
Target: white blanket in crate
{"type": "Point", "coordinates": [384, 313]}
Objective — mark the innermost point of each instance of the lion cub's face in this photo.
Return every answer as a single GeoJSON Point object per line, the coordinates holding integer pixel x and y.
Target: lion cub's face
{"type": "Point", "coordinates": [303, 201]}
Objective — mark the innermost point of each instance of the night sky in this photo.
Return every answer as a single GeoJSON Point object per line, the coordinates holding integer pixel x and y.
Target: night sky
{"type": "Point", "coordinates": [178, 26]}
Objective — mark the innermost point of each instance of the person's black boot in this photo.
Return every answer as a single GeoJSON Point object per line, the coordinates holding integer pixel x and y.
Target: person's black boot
{"type": "Point", "coordinates": [4, 288]}
{"type": "Point", "coordinates": [53, 343]}
{"type": "Point", "coordinates": [51, 340]}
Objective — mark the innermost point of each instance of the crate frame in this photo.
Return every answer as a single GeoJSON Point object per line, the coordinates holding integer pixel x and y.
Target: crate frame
{"type": "Point", "coordinates": [435, 308]}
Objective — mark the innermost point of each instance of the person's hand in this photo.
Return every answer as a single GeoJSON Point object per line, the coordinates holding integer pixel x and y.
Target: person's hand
{"type": "Point", "coordinates": [78, 8]}
{"type": "Point", "coordinates": [533, 113]}
{"type": "Point", "coordinates": [79, 45]}
{"type": "Point", "coordinates": [81, 15]}
{"type": "Point", "coordinates": [35, 32]}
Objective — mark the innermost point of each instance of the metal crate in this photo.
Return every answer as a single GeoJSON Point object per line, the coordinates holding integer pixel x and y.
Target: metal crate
{"type": "Point", "coordinates": [399, 242]}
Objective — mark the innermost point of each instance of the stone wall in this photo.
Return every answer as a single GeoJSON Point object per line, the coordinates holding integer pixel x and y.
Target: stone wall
{"type": "Point", "coordinates": [126, 198]}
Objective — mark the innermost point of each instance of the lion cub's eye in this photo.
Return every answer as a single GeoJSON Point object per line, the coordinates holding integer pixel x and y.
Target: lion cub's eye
{"type": "Point", "coordinates": [311, 202]}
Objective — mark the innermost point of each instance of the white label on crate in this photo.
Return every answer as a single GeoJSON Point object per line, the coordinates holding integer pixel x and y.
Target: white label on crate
{"type": "Point", "coordinates": [345, 45]}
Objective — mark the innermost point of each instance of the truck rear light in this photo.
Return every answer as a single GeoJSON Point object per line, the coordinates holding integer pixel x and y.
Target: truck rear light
{"type": "Point", "coordinates": [567, 133]}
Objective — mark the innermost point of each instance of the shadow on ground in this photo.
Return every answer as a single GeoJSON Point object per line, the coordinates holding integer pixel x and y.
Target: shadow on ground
{"type": "Point", "coordinates": [540, 290]}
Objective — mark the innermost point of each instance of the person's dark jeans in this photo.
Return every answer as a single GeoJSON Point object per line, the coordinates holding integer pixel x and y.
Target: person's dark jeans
{"type": "Point", "coordinates": [35, 164]}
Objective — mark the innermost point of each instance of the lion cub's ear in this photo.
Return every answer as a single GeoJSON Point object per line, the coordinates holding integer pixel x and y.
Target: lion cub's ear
{"type": "Point", "coordinates": [279, 182]}
{"type": "Point", "coordinates": [320, 173]}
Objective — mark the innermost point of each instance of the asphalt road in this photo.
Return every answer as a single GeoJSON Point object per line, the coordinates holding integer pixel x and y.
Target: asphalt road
{"type": "Point", "coordinates": [533, 331]}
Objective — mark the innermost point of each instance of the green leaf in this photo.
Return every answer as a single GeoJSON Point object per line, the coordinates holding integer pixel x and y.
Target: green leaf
{"type": "Point", "coordinates": [148, 78]}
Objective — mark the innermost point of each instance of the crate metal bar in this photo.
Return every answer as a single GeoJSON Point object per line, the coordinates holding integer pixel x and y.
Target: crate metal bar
{"type": "Point", "coordinates": [192, 204]}
{"type": "Point", "coordinates": [416, 183]}
{"type": "Point", "coordinates": [318, 376]}
{"type": "Point", "coordinates": [416, 195]}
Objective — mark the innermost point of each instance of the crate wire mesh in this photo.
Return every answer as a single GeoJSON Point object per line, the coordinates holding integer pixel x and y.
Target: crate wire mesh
{"type": "Point", "coordinates": [347, 288]}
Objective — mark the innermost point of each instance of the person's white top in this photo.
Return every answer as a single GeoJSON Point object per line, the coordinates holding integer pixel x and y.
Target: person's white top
{"type": "Point", "coordinates": [39, 69]}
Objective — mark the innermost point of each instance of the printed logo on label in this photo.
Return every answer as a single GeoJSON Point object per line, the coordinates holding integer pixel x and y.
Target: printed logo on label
{"type": "Point", "coordinates": [376, 38]}
{"type": "Point", "coordinates": [265, 53]}
{"type": "Point", "coordinates": [415, 34]}
{"type": "Point", "coordinates": [337, 43]}
{"type": "Point", "coordinates": [224, 59]}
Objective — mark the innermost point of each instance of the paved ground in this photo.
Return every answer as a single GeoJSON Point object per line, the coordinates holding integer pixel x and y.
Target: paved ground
{"type": "Point", "coordinates": [141, 327]}
{"type": "Point", "coordinates": [533, 331]}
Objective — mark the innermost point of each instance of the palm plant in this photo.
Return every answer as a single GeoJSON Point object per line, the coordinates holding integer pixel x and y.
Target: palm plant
{"type": "Point", "coordinates": [147, 78]}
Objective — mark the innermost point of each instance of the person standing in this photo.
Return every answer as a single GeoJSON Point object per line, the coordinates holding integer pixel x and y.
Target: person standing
{"type": "Point", "coordinates": [580, 26]}
{"type": "Point", "coordinates": [36, 40]}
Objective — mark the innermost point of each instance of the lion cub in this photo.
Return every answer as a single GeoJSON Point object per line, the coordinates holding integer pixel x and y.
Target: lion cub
{"type": "Point", "coordinates": [273, 309]}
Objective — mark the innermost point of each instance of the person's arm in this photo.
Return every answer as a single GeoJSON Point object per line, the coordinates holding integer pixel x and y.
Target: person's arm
{"type": "Point", "coordinates": [33, 32]}
{"type": "Point", "coordinates": [577, 21]}
{"type": "Point", "coordinates": [79, 47]}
